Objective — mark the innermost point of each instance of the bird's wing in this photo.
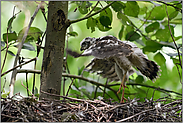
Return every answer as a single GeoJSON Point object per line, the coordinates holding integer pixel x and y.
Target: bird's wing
{"type": "Point", "coordinates": [106, 69]}
{"type": "Point", "coordinates": [107, 47]}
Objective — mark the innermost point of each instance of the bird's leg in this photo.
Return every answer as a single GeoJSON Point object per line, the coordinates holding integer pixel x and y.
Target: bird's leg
{"type": "Point", "coordinates": [122, 85]}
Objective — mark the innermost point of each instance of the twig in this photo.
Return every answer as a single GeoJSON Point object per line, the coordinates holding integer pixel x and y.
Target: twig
{"type": "Point", "coordinates": [28, 90]}
{"type": "Point", "coordinates": [135, 115]}
{"type": "Point", "coordinates": [8, 45]}
{"type": "Point", "coordinates": [18, 66]}
{"type": "Point", "coordinates": [7, 39]}
{"type": "Point", "coordinates": [69, 87]}
{"type": "Point", "coordinates": [158, 88]}
{"type": "Point", "coordinates": [34, 76]}
{"type": "Point", "coordinates": [75, 99]}
{"type": "Point", "coordinates": [26, 80]}
{"type": "Point", "coordinates": [43, 112]}
{"type": "Point", "coordinates": [121, 105]}
{"type": "Point", "coordinates": [93, 8]}
{"type": "Point", "coordinates": [13, 76]}
{"type": "Point", "coordinates": [43, 12]}
{"type": "Point", "coordinates": [180, 63]}
{"type": "Point", "coordinates": [86, 17]}
{"type": "Point", "coordinates": [179, 73]}
{"type": "Point", "coordinates": [100, 84]}
{"type": "Point", "coordinates": [3, 85]}
{"type": "Point", "coordinates": [138, 29]}
{"type": "Point", "coordinates": [167, 4]}
{"type": "Point", "coordinates": [18, 108]}
{"type": "Point", "coordinates": [6, 51]}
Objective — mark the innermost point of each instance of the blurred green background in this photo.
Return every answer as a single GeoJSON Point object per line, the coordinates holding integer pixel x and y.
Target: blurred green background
{"type": "Point", "coordinates": [169, 78]}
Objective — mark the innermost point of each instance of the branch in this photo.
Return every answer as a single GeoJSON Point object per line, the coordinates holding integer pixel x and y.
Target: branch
{"type": "Point", "coordinates": [88, 16]}
{"type": "Point", "coordinates": [100, 84]}
{"type": "Point", "coordinates": [79, 100]}
{"type": "Point", "coordinates": [135, 115]}
{"type": "Point", "coordinates": [18, 66]}
{"type": "Point", "coordinates": [72, 76]}
{"type": "Point", "coordinates": [180, 63]}
{"type": "Point", "coordinates": [7, 46]}
{"type": "Point", "coordinates": [92, 9]}
{"type": "Point", "coordinates": [158, 88]}
{"type": "Point", "coordinates": [13, 76]}
{"type": "Point", "coordinates": [171, 5]}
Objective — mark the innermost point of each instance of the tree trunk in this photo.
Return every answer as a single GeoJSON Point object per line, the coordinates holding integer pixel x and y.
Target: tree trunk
{"type": "Point", "coordinates": [51, 72]}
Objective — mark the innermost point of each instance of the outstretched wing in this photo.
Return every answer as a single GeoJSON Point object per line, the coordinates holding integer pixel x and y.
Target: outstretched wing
{"type": "Point", "coordinates": [108, 46]}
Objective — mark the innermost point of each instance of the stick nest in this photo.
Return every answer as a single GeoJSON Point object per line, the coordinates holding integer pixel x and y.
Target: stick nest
{"type": "Point", "coordinates": [21, 109]}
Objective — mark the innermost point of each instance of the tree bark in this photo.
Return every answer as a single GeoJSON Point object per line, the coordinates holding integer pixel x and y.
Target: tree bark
{"type": "Point", "coordinates": [51, 72]}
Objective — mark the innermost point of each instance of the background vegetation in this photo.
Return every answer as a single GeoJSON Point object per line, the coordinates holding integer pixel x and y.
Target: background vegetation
{"type": "Point", "coordinates": [144, 23]}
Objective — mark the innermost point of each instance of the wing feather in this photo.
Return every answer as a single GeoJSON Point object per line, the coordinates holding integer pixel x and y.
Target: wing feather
{"type": "Point", "coordinates": [108, 47]}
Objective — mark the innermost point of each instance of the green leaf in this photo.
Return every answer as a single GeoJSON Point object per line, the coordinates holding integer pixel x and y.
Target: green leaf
{"type": "Point", "coordinates": [80, 70]}
{"type": "Point", "coordinates": [132, 36]}
{"type": "Point", "coordinates": [125, 20]}
{"type": "Point", "coordinates": [139, 79]}
{"type": "Point", "coordinates": [140, 42]}
{"type": "Point", "coordinates": [73, 34]}
{"type": "Point", "coordinates": [171, 10]}
{"type": "Point", "coordinates": [97, 8]}
{"type": "Point", "coordinates": [117, 6]}
{"type": "Point", "coordinates": [33, 34]}
{"type": "Point", "coordinates": [107, 12]}
{"type": "Point", "coordinates": [173, 15]}
{"type": "Point", "coordinates": [11, 37]}
{"type": "Point", "coordinates": [5, 95]}
{"type": "Point", "coordinates": [152, 27]}
{"type": "Point", "coordinates": [36, 90]}
{"type": "Point", "coordinates": [83, 10]}
{"type": "Point", "coordinates": [83, 6]}
{"type": "Point", "coordinates": [164, 34]}
{"type": "Point", "coordinates": [152, 46]}
{"type": "Point", "coordinates": [105, 21]}
{"type": "Point", "coordinates": [176, 21]}
{"type": "Point", "coordinates": [11, 53]}
{"type": "Point", "coordinates": [132, 9]}
{"type": "Point", "coordinates": [177, 38]}
{"type": "Point", "coordinates": [28, 46]}
{"type": "Point", "coordinates": [158, 13]}
{"type": "Point", "coordinates": [145, 6]}
{"type": "Point", "coordinates": [91, 22]}
{"type": "Point", "coordinates": [101, 27]}
{"type": "Point", "coordinates": [10, 21]}
{"type": "Point", "coordinates": [120, 35]}
{"type": "Point", "coordinates": [159, 58]}
{"type": "Point", "coordinates": [2, 43]}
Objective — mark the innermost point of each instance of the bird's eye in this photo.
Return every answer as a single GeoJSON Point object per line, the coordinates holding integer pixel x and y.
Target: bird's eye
{"type": "Point", "coordinates": [84, 44]}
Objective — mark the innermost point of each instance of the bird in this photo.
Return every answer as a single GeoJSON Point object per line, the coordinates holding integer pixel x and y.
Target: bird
{"type": "Point", "coordinates": [118, 56]}
{"type": "Point", "coordinates": [106, 69]}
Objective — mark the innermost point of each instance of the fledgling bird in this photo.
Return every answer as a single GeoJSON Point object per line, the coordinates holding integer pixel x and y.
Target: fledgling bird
{"type": "Point", "coordinates": [112, 53]}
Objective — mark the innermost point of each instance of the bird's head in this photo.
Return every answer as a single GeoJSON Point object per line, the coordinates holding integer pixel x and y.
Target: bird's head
{"type": "Point", "coordinates": [86, 43]}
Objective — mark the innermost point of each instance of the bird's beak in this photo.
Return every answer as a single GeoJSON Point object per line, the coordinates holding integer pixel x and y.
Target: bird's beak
{"type": "Point", "coordinates": [81, 49]}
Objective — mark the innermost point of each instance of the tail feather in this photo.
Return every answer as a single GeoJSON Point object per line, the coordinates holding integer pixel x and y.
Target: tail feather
{"type": "Point", "coordinates": [150, 69]}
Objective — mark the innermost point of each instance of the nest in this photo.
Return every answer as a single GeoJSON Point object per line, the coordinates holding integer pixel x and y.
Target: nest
{"type": "Point", "coordinates": [21, 109]}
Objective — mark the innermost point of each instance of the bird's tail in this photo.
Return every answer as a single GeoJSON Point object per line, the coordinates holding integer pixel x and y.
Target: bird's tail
{"type": "Point", "coordinates": [150, 69]}
{"type": "Point", "coordinates": [147, 67]}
